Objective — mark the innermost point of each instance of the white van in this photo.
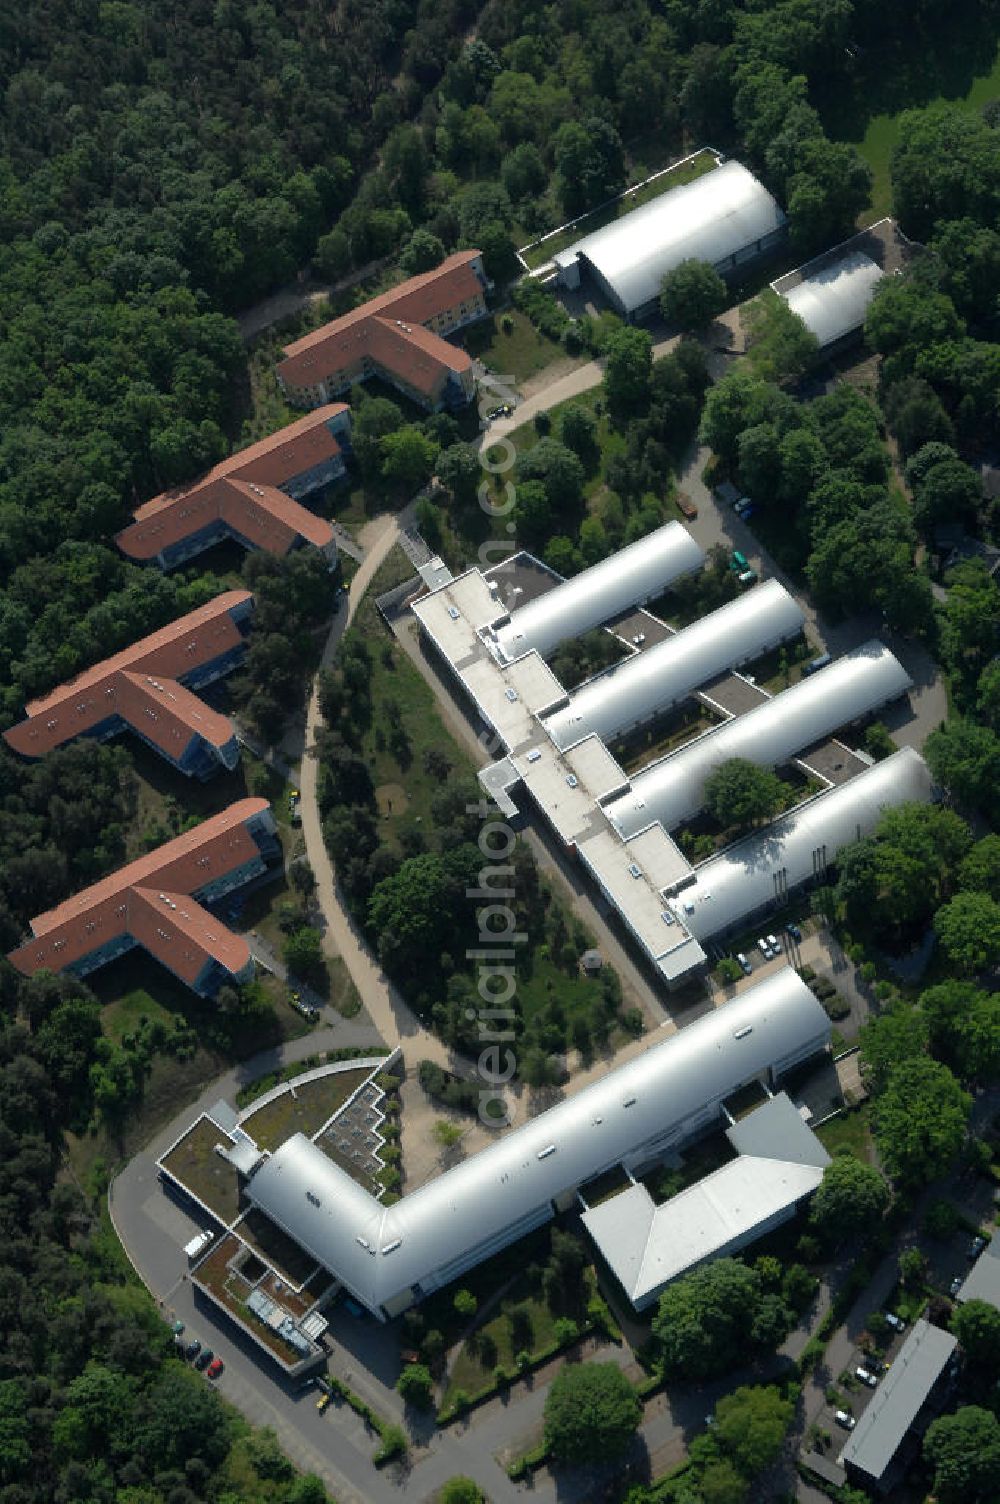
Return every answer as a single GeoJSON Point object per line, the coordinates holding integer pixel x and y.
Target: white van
{"type": "Point", "coordinates": [198, 1245]}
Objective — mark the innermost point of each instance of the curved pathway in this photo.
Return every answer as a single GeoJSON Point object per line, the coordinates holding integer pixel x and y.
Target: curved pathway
{"type": "Point", "coordinates": [392, 1017]}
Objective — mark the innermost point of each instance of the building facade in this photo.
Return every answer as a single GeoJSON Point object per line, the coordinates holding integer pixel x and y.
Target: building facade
{"type": "Point", "coordinates": [163, 903]}
{"type": "Point", "coordinates": [150, 689]}
{"type": "Point", "coordinates": [400, 336]}
{"type": "Point", "coordinates": [252, 497]}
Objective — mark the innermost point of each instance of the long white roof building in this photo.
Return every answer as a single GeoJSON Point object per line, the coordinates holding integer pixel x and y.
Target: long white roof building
{"type": "Point", "coordinates": [655, 680]}
{"type": "Point", "coordinates": [672, 789]}
{"type": "Point", "coordinates": [637, 574]}
{"type": "Point", "coordinates": [833, 301]}
{"type": "Point", "coordinates": [389, 1257]}
{"type": "Point", "coordinates": [759, 870]}
{"type": "Point", "coordinates": [726, 217]}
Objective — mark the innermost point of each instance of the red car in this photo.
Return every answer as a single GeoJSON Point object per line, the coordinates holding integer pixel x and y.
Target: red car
{"type": "Point", "coordinates": [215, 1368]}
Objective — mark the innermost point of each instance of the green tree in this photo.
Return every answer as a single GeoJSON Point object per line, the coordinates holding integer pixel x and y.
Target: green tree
{"type": "Point", "coordinates": [850, 1201]}
{"type": "Point", "coordinates": [738, 792]}
{"type": "Point", "coordinates": [830, 187]}
{"type": "Point", "coordinates": [968, 928]}
{"type": "Point", "coordinates": [720, 1483]}
{"type": "Point", "coordinates": [459, 469]}
{"type": "Point", "coordinates": [751, 1425]}
{"type": "Point", "coordinates": [589, 163]}
{"type": "Point", "coordinates": [422, 252]}
{"type": "Point", "coordinates": [943, 167]}
{"type": "Point", "coordinates": [628, 369]}
{"type": "Point", "coordinates": [416, 1386]}
{"type": "Point", "coordinates": [920, 1121]}
{"type": "Point", "coordinates": [963, 1451]}
{"type": "Point", "coordinates": [779, 346]}
{"type": "Point", "coordinates": [887, 1039]}
{"type": "Point", "coordinates": [578, 431]}
{"type": "Point", "coordinates": [965, 759]}
{"type": "Point", "coordinates": [692, 295]}
{"type": "Point", "coordinates": [466, 1304]}
{"type": "Point", "coordinates": [703, 1321]}
{"type": "Point", "coordinates": [591, 1413]}
{"type": "Point", "coordinates": [408, 457]}
{"type": "Point", "coordinates": [461, 1490]}
{"type": "Point", "coordinates": [302, 953]}
{"type": "Point", "coordinates": [976, 1324]}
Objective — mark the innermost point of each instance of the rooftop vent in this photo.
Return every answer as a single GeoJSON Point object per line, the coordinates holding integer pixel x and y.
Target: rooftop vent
{"type": "Point", "coordinates": [634, 869]}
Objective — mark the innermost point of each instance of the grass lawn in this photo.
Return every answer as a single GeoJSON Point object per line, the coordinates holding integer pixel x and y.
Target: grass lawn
{"type": "Point", "coordinates": [540, 252]}
{"type": "Point", "coordinates": [404, 790]}
{"type": "Point", "coordinates": [302, 1109]}
{"type": "Point", "coordinates": [470, 1373]}
{"type": "Point", "coordinates": [851, 1131]}
{"type": "Point", "coordinates": [521, 353]}
{"type": "Point", "coordinates": [548, 984]}
{"type": "Point", "coordinates": [882, 130]}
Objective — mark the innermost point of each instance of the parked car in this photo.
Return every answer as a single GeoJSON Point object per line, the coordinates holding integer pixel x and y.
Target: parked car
{"type": "Point", "coordinates": [192, 1350]}
{"type": "Point", "coordinates": [204, 1358]}
{"type": "Point", "coordinates": [743, 963]}
{"type": "Point", "coordinates": [741, 503]}
{"type": "Point", "coordinates": [740, 561]}
{"type": "Point", "coordinates": [177, 1328]}
{"type": "Point", "coordinates": [896, 1322]}
{"type": "Point", "coordinates": [975, 1248]}
{"type": "Point", "coordinates": [686, 505]}
{"type": "Point", "coordinates": [747, 577]}
{"type": "Point", "coordinates": [866, 1376]}
{"type": "Point", "coordinates": [775, 944]}
{"type": "Point", "coordinates": [748, 512]}
{"type": "Point", "coordinates": [764, 946]}
{"type": "Point", "coordinates": [846, 1419]}
{"type": "Point", "coordinates": [323, 1402]}
{"type": "Point", "coordinates": [794, 931]}
{"type": "Point", "coordinates": [214, 1368]}
{"type": "Point", "coordinates": [956, 1284]}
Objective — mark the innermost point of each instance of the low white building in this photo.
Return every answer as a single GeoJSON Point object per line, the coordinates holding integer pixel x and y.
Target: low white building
{"type": "Point", "coordinates": [672, 789]}
{"type": "Point", "coordinates": [653, 681]}
{"type": "Point", "coordinates": [780, 1163]}
{"type": "Point", "coordinates": [389, 1257]}
{"type": "Point", "coordinates": [725, 218]}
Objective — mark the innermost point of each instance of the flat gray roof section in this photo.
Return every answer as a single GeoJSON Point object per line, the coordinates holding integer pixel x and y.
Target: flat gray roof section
{"type": "Point", "coordinates": [833, 302]}
{"type": "Point", "coordinates": [983, 1281]}
{"type": "Point", "coordinates": [898, 1400]}
{"type": "Point", "coordinates": [655, 680]}
{"type": "Point", "coordinates": [636, 574]}
{"type": "Point", "coordinates": [388, 1256]}
{"type": "Point", "coordinates": [672, 790]}
{"type": "Point", "coordinates": [647, 1246]}
{"type": "Point", "coordinates": [713, 219]}
{"type": "Point", "coordinates": [765, 866]}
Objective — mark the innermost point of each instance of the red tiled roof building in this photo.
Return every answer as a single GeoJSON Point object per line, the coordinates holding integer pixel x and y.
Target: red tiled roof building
{"type": "Point", "coordinates": [149, 688]}
{"type": "Point", "coordinates": [400, 336]}
{"type": "Point", "coordinates": [159, 902]}
{"type": "Point", "coordinates": [252, 496]}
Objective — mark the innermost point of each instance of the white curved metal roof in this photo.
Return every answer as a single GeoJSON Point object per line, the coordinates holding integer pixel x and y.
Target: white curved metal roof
{"type": "Point", "coordinates": [381, 1252]}
{"type": "Point", "coordinates": [752, 872]}
{"type": "Point", "coordinates": [712, 219]}
{"type": "Point", "coordinates": [638, 573]}
{"type": "Point", "coordinates": [671, 790]}
{"type": "Point", "coordinates": [654, 680]}
{"type": "Point", "coordinates": [834, 301]}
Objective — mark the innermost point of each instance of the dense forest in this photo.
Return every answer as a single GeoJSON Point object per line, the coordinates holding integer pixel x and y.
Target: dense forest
{"type": "Point", "coordinates": [163, 167]}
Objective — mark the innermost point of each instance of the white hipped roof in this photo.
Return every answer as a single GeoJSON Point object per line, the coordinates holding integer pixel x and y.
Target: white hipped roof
{"type": "Point", "coordinates": [638, 573]}
{"type": "Point", "coordinates": [382, 1252]}
{"type": "Point", "coordinates": [716, 217]}
{"type": "Point", "coordinates": [833, 302]}
{"type": "Point", "coordinates": [647, 1245]}
{"type": "Point", "coordinates": [755, 871]}
{"type": "Point", "coordinates": [654, 680]}
{"type": "Point", "coordinates": [672, 790]}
